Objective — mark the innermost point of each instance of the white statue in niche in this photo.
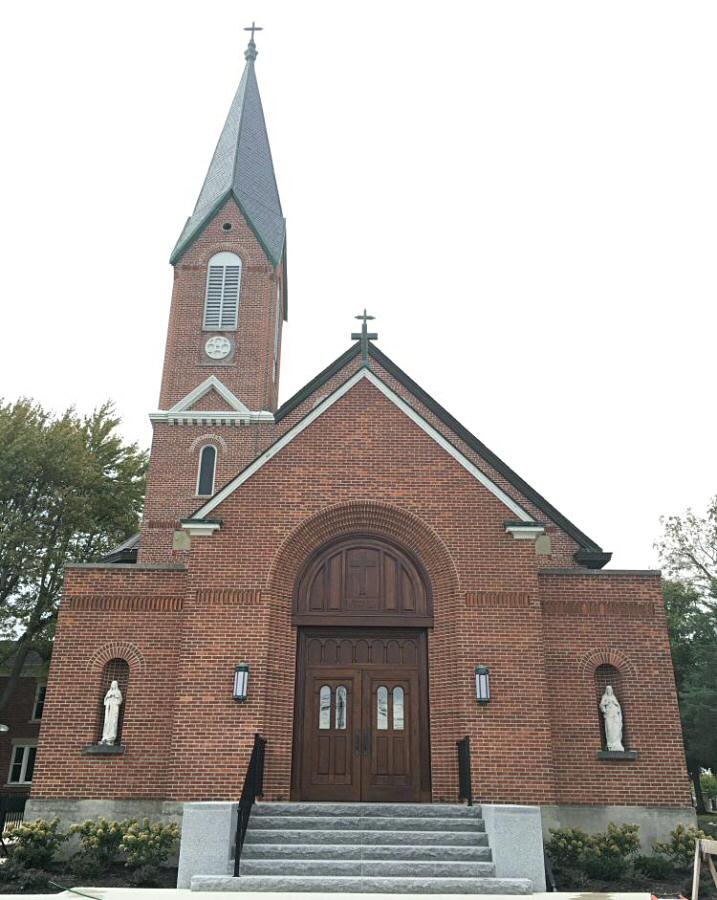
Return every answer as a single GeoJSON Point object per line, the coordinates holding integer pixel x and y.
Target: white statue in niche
{"type": "Point", "coordinates": [113, 701]}
{"type": "Point", "coordinates": [612, 713]}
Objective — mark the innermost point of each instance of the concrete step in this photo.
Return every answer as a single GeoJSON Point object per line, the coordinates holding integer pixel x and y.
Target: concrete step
{"type": "Point", "coordinates": [365, 837]}
{"type": "Point", "coordinates": [404, 810]}
{"type": "Point", "coordinates": [375, 868]}
{"type": "Point", "coordinates": [279, 852]}
{"type": "Point", "coordinates": [362, 884]}
{"type": "Point", "coordinates": [366, 823]}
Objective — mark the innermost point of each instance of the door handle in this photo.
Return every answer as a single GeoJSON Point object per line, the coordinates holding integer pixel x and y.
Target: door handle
{"type": "Point", "coordinates": [357, 741]}
{"type": "Point", "coordinates": [366, 741]}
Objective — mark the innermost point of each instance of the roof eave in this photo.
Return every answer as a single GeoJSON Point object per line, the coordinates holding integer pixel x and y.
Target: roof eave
{"type": "Point", "coordinates": [185, 242]}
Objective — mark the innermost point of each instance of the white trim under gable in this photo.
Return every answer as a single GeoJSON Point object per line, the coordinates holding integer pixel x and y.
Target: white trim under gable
{"type": "Point", "coordinates": [327, 403]}
{"type": "Point", "coordinates": [212, 382]}
{"type": "Point", "coordinates": [182, 414]}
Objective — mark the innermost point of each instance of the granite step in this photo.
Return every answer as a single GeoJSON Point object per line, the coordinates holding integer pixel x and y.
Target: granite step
{"type": "Point", "coordinates": [280, 852]}
{"type": "Point", "coordinates": [371, 810]}
{"type": "Point", "coordinates": [367, 823]}
{"type": "Point", "coordinates": [375, 868]}
{"type": "Point", "coordinates": [256, 835]}
{"type": "Point", "coordinates": [362, 884]}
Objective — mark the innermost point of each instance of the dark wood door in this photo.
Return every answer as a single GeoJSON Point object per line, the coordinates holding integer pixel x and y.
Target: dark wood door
{"type": "Point", "coordinates": [390, 770]}
{"type": "Point", "coordinates": [361, 730]}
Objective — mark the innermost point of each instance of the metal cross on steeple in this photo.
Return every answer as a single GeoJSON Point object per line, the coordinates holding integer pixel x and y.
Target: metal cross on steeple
{"type": "Point", "coordinates": [250, 52]}
{"type": "Point", "coordinates": [253, 27]}
{"type": "Point", "coordinates": [364, 335]}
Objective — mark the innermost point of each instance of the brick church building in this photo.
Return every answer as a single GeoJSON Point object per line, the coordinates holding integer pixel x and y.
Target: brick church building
{"type": "Point", "coordinates": [360, 554]}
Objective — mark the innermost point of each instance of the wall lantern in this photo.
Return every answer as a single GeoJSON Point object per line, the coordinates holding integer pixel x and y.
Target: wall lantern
{"type": "Point", "coordinates": [482, 684]}
{"type": "Point", "coordinates": [241, 682]}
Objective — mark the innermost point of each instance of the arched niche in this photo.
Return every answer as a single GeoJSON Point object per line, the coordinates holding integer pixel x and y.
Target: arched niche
{"type": "Point", "coordinates": [362, 580]}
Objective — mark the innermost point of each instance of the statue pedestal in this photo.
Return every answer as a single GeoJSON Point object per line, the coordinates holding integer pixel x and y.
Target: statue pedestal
{"type": "Point", "coordinates": [104, 749]}
{"type": "Point", "coordinates": [617, 754]}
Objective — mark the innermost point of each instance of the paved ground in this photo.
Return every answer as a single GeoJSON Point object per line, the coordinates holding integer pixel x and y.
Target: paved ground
{"type": "Point", "coordinates": [168, 894]}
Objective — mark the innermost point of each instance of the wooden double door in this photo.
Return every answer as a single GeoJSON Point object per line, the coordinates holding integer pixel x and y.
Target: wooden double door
{"type": "Point", "coordinates": [362, 716]}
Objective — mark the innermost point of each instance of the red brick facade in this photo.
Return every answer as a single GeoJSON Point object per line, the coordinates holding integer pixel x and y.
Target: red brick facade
{"type": "Point", "coordinates": [379, 459]}
{"type": "Point", "coordinates": [363, 466]}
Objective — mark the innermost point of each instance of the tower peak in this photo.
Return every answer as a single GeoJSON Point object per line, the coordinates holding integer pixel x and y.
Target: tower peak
{"type": "Point", "coordinates": [241, 168]}
{"type": "Point", "coordinates": [250, 54]}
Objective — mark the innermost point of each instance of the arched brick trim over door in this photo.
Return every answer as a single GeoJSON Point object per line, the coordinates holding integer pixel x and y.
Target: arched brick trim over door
{"type": "Point", "coordinates": [409, 533]}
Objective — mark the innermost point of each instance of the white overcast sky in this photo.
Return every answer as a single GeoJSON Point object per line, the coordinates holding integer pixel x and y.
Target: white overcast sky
{"type": "Point", "coordinates": [523, 193]}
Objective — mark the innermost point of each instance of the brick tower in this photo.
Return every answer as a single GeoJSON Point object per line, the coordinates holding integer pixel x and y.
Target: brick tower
{"type": "Point", "coordinates": [220, 379]}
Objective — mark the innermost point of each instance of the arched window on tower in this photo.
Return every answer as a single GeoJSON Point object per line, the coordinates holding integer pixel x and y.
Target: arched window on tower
{"type": "Point", "coordinates": [207, 470]}
{"type": "Point", "coordinates": [221, 306]}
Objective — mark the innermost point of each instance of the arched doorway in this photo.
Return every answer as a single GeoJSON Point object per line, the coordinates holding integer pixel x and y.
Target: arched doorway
{"type": "Point", "coordinates": [361, 730]}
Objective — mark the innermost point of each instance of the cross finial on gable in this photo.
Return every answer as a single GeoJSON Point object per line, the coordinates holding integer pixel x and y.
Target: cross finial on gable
{"type": "Point", "coordinates": [250, 53]}
{"type": "Point", "coordinates": [364, 335]}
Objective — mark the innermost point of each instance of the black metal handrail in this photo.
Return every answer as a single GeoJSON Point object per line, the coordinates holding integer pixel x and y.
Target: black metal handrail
{"type": "Point", "coordinates": [12, 812]}
{"type": "Point", "coordinates": [253, 788]}
{"type": "Point", "coordinates": [465, 788]}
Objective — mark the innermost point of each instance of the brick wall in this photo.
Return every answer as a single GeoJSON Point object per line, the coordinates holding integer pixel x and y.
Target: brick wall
{"type": "Point", "coordinates": [18, 717]}
{"type": "Point", "coordinates": [363, 466]}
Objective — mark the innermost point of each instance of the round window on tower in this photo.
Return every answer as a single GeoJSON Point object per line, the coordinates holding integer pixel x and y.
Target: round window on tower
{"type": "Point", "coordinates": [218, 347]}
{"type": "Point", "coordinates": [227, 226]}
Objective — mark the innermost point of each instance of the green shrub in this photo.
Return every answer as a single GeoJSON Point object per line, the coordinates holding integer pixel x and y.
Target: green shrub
{"type": "Point", "coordinates": [568, 847]}
{"type": "Point", "coordinates": [656, 867]}
{"type": "Point", "coordinates": [618, 842]}
{"type": "Point", "coordinates": [34, 880]}
{"type": "Point", "coordinates": [86, 865]}
{"type": "Point", "coordinates": [36, 843]}
{"type": "Point", "coordinates": [681, 846]}
{"type": "Point", "coordinates": [100, 840]}
{"type": "Point", "coordinates": [708, 781]}
{"type": "Point", "coordinates": [149, 844]}
{"type": "Point", "coordinates": [606, 868]}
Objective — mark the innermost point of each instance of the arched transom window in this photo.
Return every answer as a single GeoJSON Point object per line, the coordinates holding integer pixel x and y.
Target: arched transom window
{"type": "Point", "coordinates": [221, 307]}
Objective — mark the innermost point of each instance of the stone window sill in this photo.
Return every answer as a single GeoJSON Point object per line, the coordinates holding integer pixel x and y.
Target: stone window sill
{"type": "Point", "coordinates": [104, 749]}
{"type": "Point", "coordinates": [624, 755]}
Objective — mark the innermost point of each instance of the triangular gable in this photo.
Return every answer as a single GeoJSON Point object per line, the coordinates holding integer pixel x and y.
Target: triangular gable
{"type": "Point", "coordinates": [364, 373]}
{"type": "Point", "coordinates": [211, 384]}
{"type": "Point", "coordinates": [212, 400]}
{"type": "Point", "coordinates": [194, 409]}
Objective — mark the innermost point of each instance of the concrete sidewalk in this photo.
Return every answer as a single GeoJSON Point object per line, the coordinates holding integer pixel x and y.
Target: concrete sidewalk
{"type": "Point", "coordinates": [171, 894]}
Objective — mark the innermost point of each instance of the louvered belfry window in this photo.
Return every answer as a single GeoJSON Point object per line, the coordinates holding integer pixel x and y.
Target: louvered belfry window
{"type": "Point", "coordinates": [221, 307]}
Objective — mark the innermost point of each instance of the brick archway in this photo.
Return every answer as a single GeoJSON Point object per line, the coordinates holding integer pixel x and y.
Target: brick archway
{"type": "Point", "coordinates": [370, 517]}
{"type": "Point", "coordinates": [405, 530]}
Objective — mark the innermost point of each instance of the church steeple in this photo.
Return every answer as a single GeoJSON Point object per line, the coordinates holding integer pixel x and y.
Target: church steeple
{"type": "Point", "coordinates": [241, 168]}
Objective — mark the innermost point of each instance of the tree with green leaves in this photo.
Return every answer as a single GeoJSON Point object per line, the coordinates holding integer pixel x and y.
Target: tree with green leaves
{"type": "Point", "coordinates": [688, 551]}
{"type": "Point", "coordinates": [70, 489]}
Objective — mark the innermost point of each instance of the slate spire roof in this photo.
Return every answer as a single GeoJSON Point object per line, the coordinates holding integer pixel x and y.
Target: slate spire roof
{"type": "Point", "coordinates": [242, 167]}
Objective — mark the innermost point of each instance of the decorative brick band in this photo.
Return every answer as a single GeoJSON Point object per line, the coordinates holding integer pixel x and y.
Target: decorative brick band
{"type": "Point", "coordinates": [616, 609]}
{"type": "Point", "coordinates": [241, 597]}
{"type": "Point", "coordinates": [498, 599]}
{"type": "Point", "coordinates": [117, 650]}
{"type": "Point", "coordinates": [102, 602]}
{"type": "Point", "coordinates": [601, 656]}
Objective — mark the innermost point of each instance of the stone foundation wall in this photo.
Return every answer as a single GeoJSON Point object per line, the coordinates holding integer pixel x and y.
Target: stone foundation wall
{"type": "Point", "coordinates": [656, 822]}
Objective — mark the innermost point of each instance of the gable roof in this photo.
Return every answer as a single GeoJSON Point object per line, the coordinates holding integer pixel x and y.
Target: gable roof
{"type": "Point", "coordinates": [590, 553]}
{"type": "Point", "coordinates": [242, 168]}
{"type": "Point", "coordinates": [363, 373]}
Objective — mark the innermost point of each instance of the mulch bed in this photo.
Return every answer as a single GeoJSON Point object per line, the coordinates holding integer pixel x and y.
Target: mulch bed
{"type": "Point", "coordinates": [116, 876]}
